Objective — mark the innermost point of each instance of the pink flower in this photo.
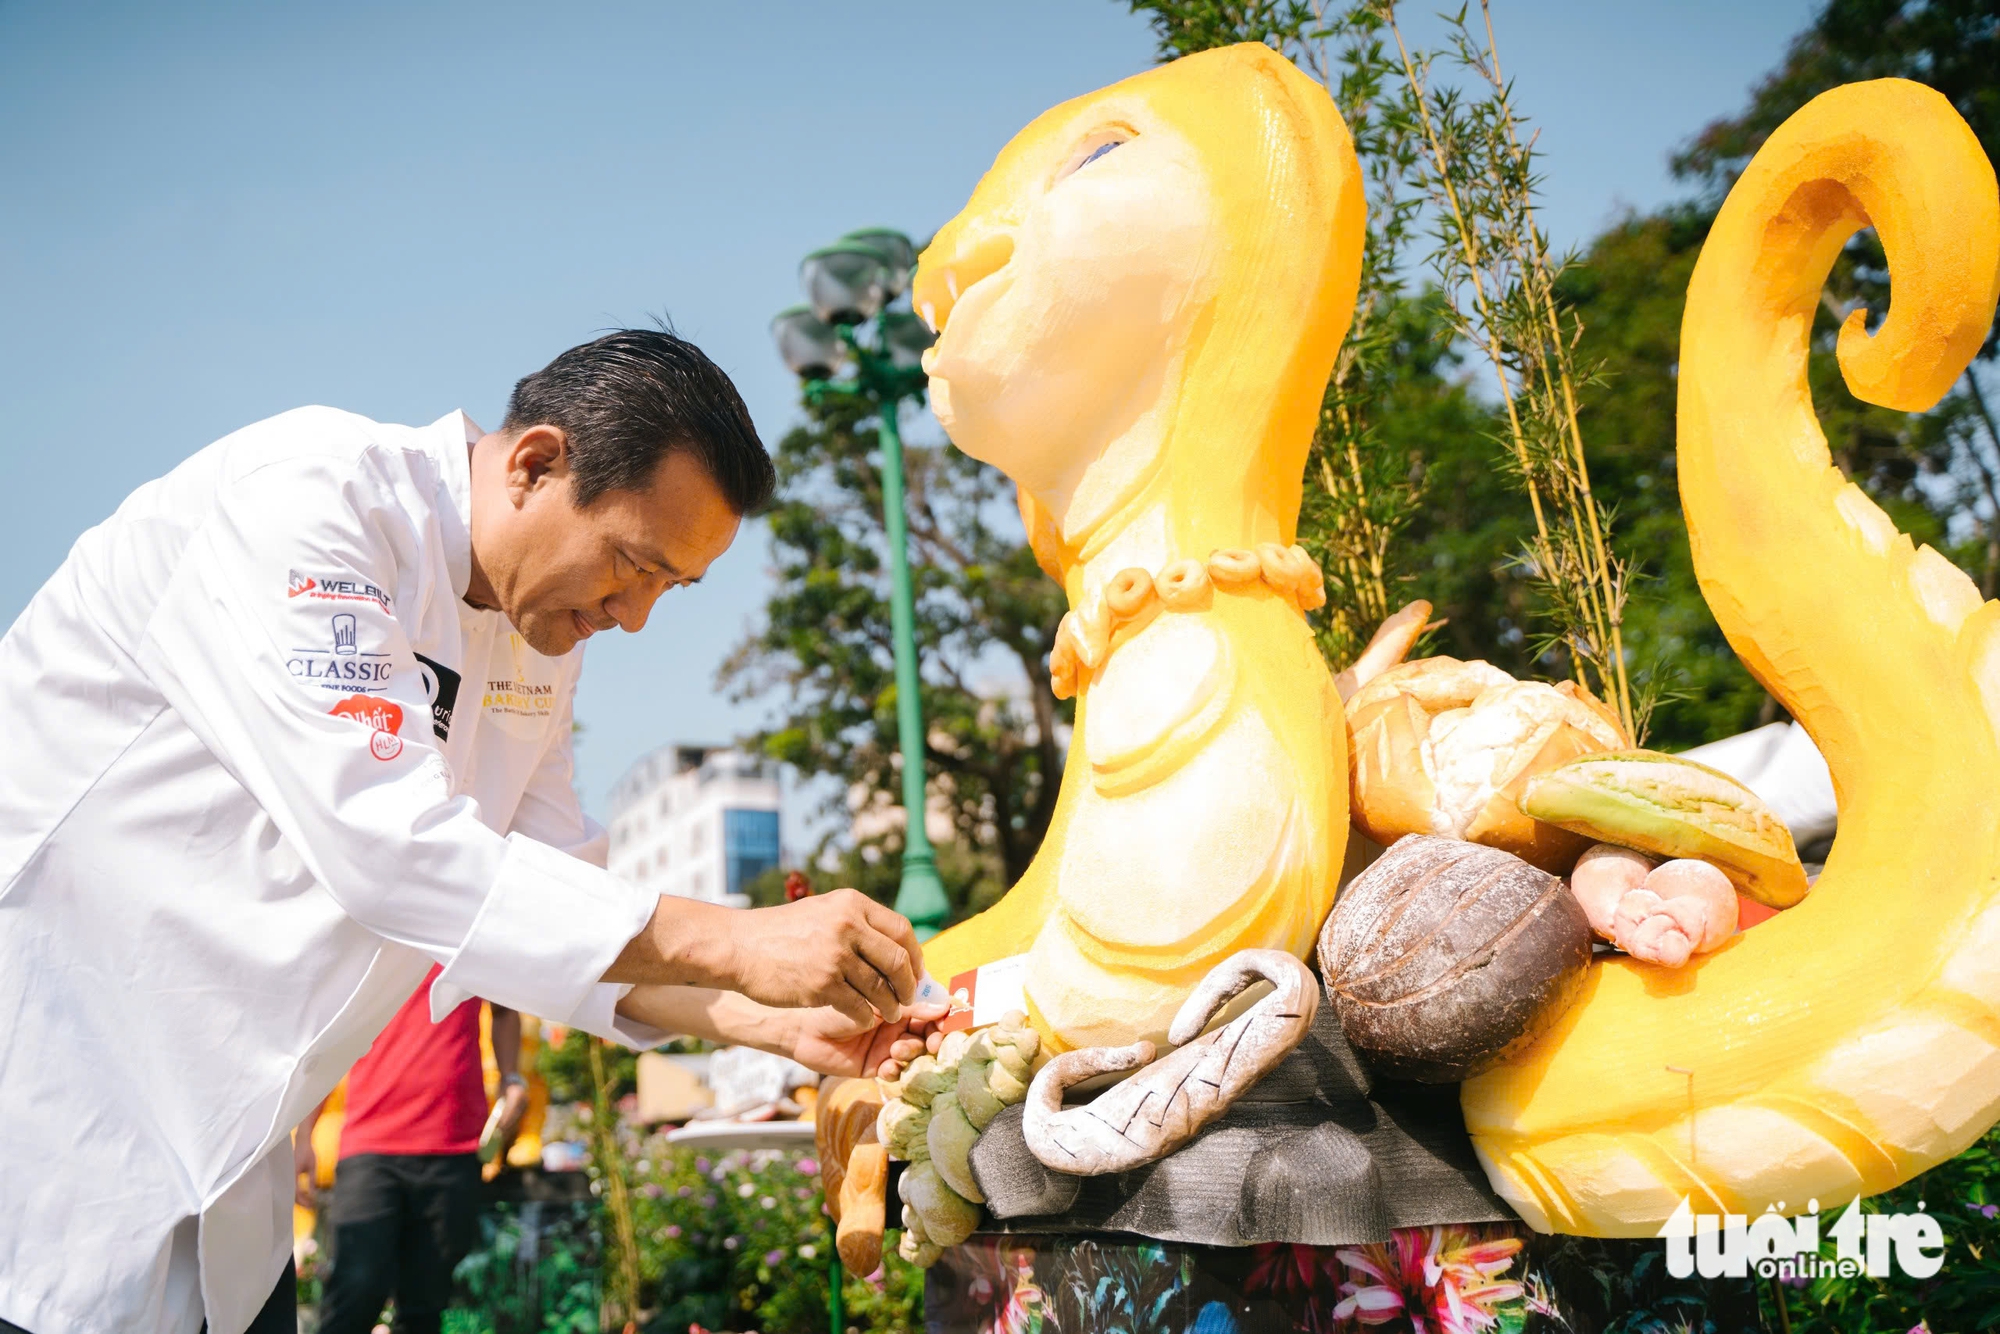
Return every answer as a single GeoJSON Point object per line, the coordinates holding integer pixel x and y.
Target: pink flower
{"type": "Point", "coordinates": [1440, 1280]}
{"type": "Point", "coordinates": [809, 1166]}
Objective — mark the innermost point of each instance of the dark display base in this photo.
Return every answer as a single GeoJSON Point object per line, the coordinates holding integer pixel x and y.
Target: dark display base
{"type": "Point", "coordinates": [1316, 1154]}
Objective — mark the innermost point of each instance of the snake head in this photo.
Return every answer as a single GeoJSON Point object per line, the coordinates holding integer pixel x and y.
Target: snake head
{"type": "Point", "coordinates": [1129, 253]}
{"type": "Point", "coordinates": [1084, 253]}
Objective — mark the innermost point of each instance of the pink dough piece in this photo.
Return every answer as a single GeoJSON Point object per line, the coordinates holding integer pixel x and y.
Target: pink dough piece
{"type": "Point", "coordinates": [1684, 908]}
{"type": "Point", "coordinates": [1688, 883]}
{"type": "Point", "coordinates": [1604, 875]}
{"type": "Point", "coordinates": [1646, 930]}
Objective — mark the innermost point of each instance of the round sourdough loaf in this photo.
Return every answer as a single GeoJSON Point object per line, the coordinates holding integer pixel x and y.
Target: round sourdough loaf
{"type": "Point", "coordinates": [1444, 956]}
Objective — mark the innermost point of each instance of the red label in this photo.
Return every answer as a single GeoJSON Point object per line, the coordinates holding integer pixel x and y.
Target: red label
{"type": "Point", "coordinates": [385, 716]}
{"type": "Point", "coordinates": [964, 989]}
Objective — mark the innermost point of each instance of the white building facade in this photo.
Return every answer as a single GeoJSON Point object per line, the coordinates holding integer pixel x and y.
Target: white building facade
{"type": "Point", "coordinates": [697, 821]}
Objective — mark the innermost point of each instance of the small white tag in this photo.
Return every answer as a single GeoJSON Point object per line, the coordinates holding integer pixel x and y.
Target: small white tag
{"type": "Point", "coordinates": [1000, 988]}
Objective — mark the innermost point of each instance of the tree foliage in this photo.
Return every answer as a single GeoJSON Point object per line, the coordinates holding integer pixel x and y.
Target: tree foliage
{"type": "Point", "coordinates": [986, 617]}
{"type": "Point", "coordinates": [1950, 45]}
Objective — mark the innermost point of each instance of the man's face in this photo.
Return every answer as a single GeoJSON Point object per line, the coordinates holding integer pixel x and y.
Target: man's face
{"type": "Point", "coordinates": [561, 573]}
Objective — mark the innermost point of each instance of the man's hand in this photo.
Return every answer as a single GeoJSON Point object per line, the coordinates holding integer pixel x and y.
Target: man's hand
{"type": "Point", "coordinates": [823, 1038]}
{"type": "Point", "coordinates": [305, 1169]}
{"type": "Point", "coordinates": [506, 1035]}
{"type": "Point", "coordinates": [513, 1106]}
{"type": "Point", "coordinates": [841, 949]}
{"type": "Point", "coordinates": [833, 1044]}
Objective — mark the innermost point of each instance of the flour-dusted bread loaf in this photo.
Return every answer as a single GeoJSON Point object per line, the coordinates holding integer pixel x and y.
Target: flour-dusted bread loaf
{"type": "Point", "coordinates": [1444, 955]}
{"type": "Point", "coordinates": [1440, 746]}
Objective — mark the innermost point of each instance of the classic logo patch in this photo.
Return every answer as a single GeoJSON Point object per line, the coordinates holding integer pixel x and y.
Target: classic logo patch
{"type": "Point", "coordinates": [441, 689]}
{"type": "Point", "coordinates": [341, 665]}
{"type": "Point", "coordinates": [385, 716]}
{"type": "Point", "coordinates": [325, 589]}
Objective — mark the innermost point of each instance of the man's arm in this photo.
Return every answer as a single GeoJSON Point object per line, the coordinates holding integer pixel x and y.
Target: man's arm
{"type": "Point", "coordinates": [821, 1038]}
{"type": "Point", "coordinates": [356, 785]}
{"type": "Point", "coordinates": [842, 950]}
{"type": "Point", "coordinates": [846, 951]}
{"type": "Point", "coordinates": [506, 1032]}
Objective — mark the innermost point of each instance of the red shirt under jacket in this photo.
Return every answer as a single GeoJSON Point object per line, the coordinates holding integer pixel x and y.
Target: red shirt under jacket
{"type": "Point", "coordinates": [420, 1088]}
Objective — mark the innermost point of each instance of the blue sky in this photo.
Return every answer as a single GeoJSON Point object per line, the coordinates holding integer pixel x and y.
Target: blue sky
{"type": "Point", "coordinates": [214, 212]}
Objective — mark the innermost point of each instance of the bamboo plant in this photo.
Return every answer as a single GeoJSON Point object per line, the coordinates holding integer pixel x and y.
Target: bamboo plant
{"type": "Point", "coordinates": [1499, 278]}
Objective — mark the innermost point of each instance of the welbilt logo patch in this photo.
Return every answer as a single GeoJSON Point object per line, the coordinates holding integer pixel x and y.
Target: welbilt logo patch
{"type": "Point", "coordinates": [385, 716]}
{"type": "Point", "coordinates": [322, 589]}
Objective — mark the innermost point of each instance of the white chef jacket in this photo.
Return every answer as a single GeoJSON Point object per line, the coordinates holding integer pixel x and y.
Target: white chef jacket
{"type": "Point", "coordinates": [259, 766]}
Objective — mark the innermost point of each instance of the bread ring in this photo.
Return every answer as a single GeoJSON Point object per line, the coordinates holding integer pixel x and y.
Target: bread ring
{"type": "Point", "coordinates": [1281, 567]}
{"type": "Point", "coordinates": [1232, 567]}
{"type": "Point", "coordinates": [1184, 586]}
{"type": "Point", "coordinates": [1091, 632]}
{"type": "Point", "coordinates": [1311, 586]}
{"type": "Point", "coordinates": [1128, 593]}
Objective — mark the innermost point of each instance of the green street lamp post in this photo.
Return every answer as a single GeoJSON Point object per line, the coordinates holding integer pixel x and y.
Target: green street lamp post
{"type": "Point", "coordinates": [850, 325]}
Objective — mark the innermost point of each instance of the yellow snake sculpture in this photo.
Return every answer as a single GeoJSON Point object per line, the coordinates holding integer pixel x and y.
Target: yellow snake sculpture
{"type": "Point", "coordinates": [1854, 1040]}
{"type": "Point", "coordinates": [1138, 310]}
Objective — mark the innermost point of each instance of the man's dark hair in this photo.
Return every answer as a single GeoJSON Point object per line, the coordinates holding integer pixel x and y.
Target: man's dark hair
{"type": "Point", "coordinates": [628, 399]}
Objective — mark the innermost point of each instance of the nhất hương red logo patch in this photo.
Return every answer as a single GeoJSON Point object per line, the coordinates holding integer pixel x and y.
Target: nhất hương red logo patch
{"type": "Point", "coordinates": [384, 716]}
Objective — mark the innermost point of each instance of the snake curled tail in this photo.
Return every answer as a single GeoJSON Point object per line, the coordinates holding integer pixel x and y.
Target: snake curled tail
{"type": "Point", "coordinates": [1853, 1041]}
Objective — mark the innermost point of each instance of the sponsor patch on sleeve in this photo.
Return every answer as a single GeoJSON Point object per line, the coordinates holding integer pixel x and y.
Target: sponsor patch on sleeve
{"type": "Point", "coordinates": [334, 588]}
{"type": "Point", "coordinates": [441, 689]}
{"type": "Point", "coordinates": [383, 716]}
{"type": "Point", "coordinates": [338, 658]}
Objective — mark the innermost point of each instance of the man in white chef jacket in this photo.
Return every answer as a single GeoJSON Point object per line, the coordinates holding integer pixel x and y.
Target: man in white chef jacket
{"type": "Point", "coordinates": [293, 724]}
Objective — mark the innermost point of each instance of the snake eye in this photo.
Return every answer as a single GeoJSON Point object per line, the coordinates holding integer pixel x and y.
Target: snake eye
{"type": "Point", "coordinates": [1093, 152]}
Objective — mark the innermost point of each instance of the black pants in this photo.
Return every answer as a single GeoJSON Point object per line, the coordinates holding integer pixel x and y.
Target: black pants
{"type": "Point", "coordinates": [398, 1224]}
{"type": "Point", "coordinates": [279, 1316]}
